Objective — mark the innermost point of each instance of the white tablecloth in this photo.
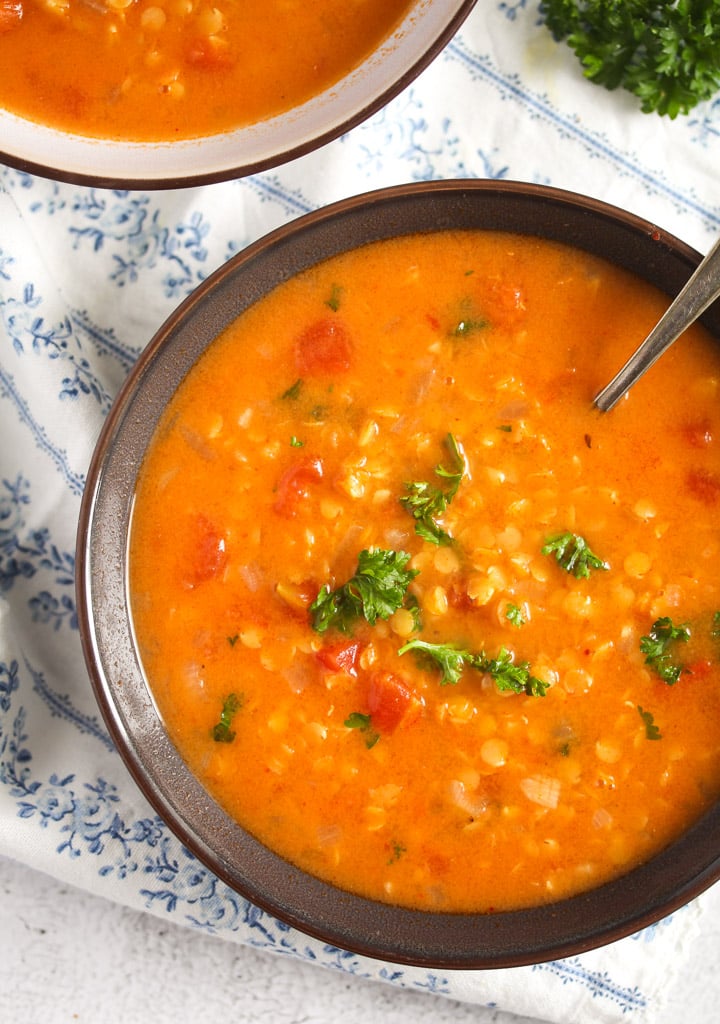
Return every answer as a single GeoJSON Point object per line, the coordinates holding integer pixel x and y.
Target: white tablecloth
{"type": "Point", "coordinates": [86, 278]}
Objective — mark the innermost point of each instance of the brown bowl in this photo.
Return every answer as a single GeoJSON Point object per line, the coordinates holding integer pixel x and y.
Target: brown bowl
{"type": "Point", "coordinates": [438, 940]}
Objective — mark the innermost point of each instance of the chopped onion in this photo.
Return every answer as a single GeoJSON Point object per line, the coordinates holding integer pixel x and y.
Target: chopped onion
{"type": "Point", "coordinates": [396, 538]}
{"type": "Point", "coordinates": [473, 804]}
{"type": "Point", "coordinates": [541, 790]}
{"type": "Point", "coordinates": [252, 576]}
{"type": "Point", "coordinates": [299, 674]}
{"type": "Point", "coordinates": [602, 818]}
{"type": "Point", "coordinates": [328, 835]}
{"type": "Point", "coordinates": [514, 410]}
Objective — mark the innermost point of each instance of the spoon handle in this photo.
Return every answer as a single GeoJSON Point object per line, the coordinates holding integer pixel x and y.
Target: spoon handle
{"type": "Point", "coordinates": [699, 292]}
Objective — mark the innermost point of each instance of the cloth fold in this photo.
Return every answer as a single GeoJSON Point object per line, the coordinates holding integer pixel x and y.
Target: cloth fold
{"type": "Point", "coordinates": [86, 278]}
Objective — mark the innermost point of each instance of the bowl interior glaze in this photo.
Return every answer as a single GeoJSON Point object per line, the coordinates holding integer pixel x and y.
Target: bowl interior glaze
{"type": "Point", "coordinates": [106, 163]}
{"type": "Point", "coordinates": [477, 941]}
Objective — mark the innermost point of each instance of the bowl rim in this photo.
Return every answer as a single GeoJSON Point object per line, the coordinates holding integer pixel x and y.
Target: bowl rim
{"type": "Point", "coordinates": [615, 910]}
{"type": "Point", "coordinates": [307, 132]}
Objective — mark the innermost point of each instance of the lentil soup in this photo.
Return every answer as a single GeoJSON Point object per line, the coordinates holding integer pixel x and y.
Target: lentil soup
{"type": "Point", "coordinates": [161, 70]}
{"type": "Point", "coordinates": [420, 619]}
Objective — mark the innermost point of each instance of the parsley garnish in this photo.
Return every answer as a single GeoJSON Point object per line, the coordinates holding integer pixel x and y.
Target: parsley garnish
{"type": "Point", "coordinates": [715, 629]}
{"type": "Point", "coordinates": [363, 724]}
{"type": "Point", "coordinates": [464, 327]}
{"type": "Point", "coordinates": [666, 54]}
{"type": "Point", "coordinates": [451, 660]}
{"type": "Point", "coordinates": [334, 301]}
{"type": "Point", "coordinates": [293, 391]}
{"type": "Point", "coordinates": [514, 615]}
{"type": "Point", "coordinates": [425, 502]}
{"type": "Point", "coordinates": [651, 730]}
{"type": "Point", "coordinates": [377, 589]}
{"type": "Point", "coordinates": [221, 731]}
{"type": "Point", "coordinates": [397, 851]}
{"type": "Point", "coordinates": [573, 554]}
{"type": "Point", "coordinates": [295, 442]}
{"type": "Point", "coordinates": [656, 646]}
{"type": "Point", "coordinates": [506, 674]}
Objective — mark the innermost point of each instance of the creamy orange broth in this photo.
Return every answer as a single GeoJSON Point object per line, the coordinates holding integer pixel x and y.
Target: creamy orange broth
{"type": "Point", "coordinates": [285, 454]}
{"type": "Point", "coordinates": [173, 69]}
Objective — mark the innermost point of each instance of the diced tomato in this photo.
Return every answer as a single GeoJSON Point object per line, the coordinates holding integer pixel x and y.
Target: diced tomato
{"type": "Point", "coordinates": [342, 657]}
{"type": "Point", "coordinates": [324, 348]}
{"type": "Point", "coordinates": [698, 434]}
{"type": "Point", "coordinates": [207, 555]}
{"type": "Point", "coordinates": [700, 668]}
{"type": "Point", "coordinates": [11, 12]}
{"type": "Point", "coordinates": [208, 55]}
{"type": "Point", "coordinates": [295, 485]}
{"type": "Point", "coordinates": [390, 701]}
{"type": "Point", "coordinates": [704, 485]}
{"type": "Point", "coordinates": [504, 301]}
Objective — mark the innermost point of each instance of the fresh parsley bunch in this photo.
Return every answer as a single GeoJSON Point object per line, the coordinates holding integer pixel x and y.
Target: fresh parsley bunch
{"type": "Point", "coordinates": [666, 53]}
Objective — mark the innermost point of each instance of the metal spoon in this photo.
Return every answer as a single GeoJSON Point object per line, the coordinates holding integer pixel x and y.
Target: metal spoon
{"type": "Point", "coordinates": [700, 292]}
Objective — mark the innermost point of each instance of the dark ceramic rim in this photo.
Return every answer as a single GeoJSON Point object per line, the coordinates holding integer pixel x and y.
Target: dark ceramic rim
{"type": "Point", "coordinates": [243, 169]}
{"type": "Point", "coordinates": [448, 941]}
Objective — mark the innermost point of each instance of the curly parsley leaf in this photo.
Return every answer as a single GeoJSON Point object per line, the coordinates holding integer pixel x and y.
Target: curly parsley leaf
{"type": "Point", "coordinates": [657, 645]}
{"type": "Point", "coordinates": [715, 628]}
{"type": "Point", "coordinates": [363, 724]}
{"type": "Point", "coordinates": [222, 731]}
{"type": "Point", "coordinates": [514, 615]}
{"type": "Point", "coordinates": [451, 660]}
{"type": "Point", "coordinates": [651, 730]}
{"type": "Point", "coordinates": [573, 554]}
{"type": "Point", "coordinates": [426, 502]}
{"type": "Point", "coordinates": [666, 54]}
{"type": "Point", "coordinates": [507, 675]}
{"type": "Point", "coordinates": [293, 392]}
{"type": "Point", "coordinates": [335, 296]}
{"type": "Point", "coordinates": [376, 590]}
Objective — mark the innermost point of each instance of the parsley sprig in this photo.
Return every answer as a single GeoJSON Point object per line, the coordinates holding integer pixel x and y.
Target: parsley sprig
{"type": "Point", "coordinates": [657, 648]}
{"type": "Point", "coordinates": [573, 554]}
{"type": "Point", "coordinates": [426, 502]}
{"type": "Point", "coordinates": [363, 724]}
{"type": "Point", "coordinates": [222, 731]}
{"type": "Point", "coordinates": [507, 674]}
{"type": "Point", "coordinates": [376, 590]}
{"type": "Point", "coordinates": [666, 54]}
{"type": "Point", "coordinates": [652, 732]}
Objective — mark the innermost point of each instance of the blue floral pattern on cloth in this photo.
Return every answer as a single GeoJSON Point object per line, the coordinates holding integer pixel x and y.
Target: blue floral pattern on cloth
{"type": "Point", "coordinates": [87, 276]}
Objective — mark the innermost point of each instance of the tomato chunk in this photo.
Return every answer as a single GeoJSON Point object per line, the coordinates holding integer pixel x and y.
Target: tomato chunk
{"type": "Point", "coordinates": [11, 12]}
{"type": "Point", "coordinates": [390, 701]}
{"type": "Point", "coordinates": [295, 485]}
{"type": "Point", "coordinates": [342, 657]}
{"type": "Point", "coordinates": [207, 556]}
{"type": "Point", "coordinates": [704, 485]}
{"type": "Point", "coordinates": [209, 55]}
{"type": "Point", "coordinates": [324, 348]}
{"type": "Point", "coordinates": [698, 434]}
{"type": "Point", "coordinates": [700, 668]}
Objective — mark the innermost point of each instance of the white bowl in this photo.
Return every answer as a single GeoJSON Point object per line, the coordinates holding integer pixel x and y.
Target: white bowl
{"type": "Point", "coordinates": [118, 164]}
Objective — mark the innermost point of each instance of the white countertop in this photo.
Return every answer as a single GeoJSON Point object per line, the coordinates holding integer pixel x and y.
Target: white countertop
{"type": "Point", "coordinates": [67, 956]}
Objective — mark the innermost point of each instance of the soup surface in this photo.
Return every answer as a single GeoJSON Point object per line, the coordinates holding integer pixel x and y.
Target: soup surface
{"type": "Point", "coordinates": [420, 618]}
{"type": "Point", "coordinates": [174, 69]}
